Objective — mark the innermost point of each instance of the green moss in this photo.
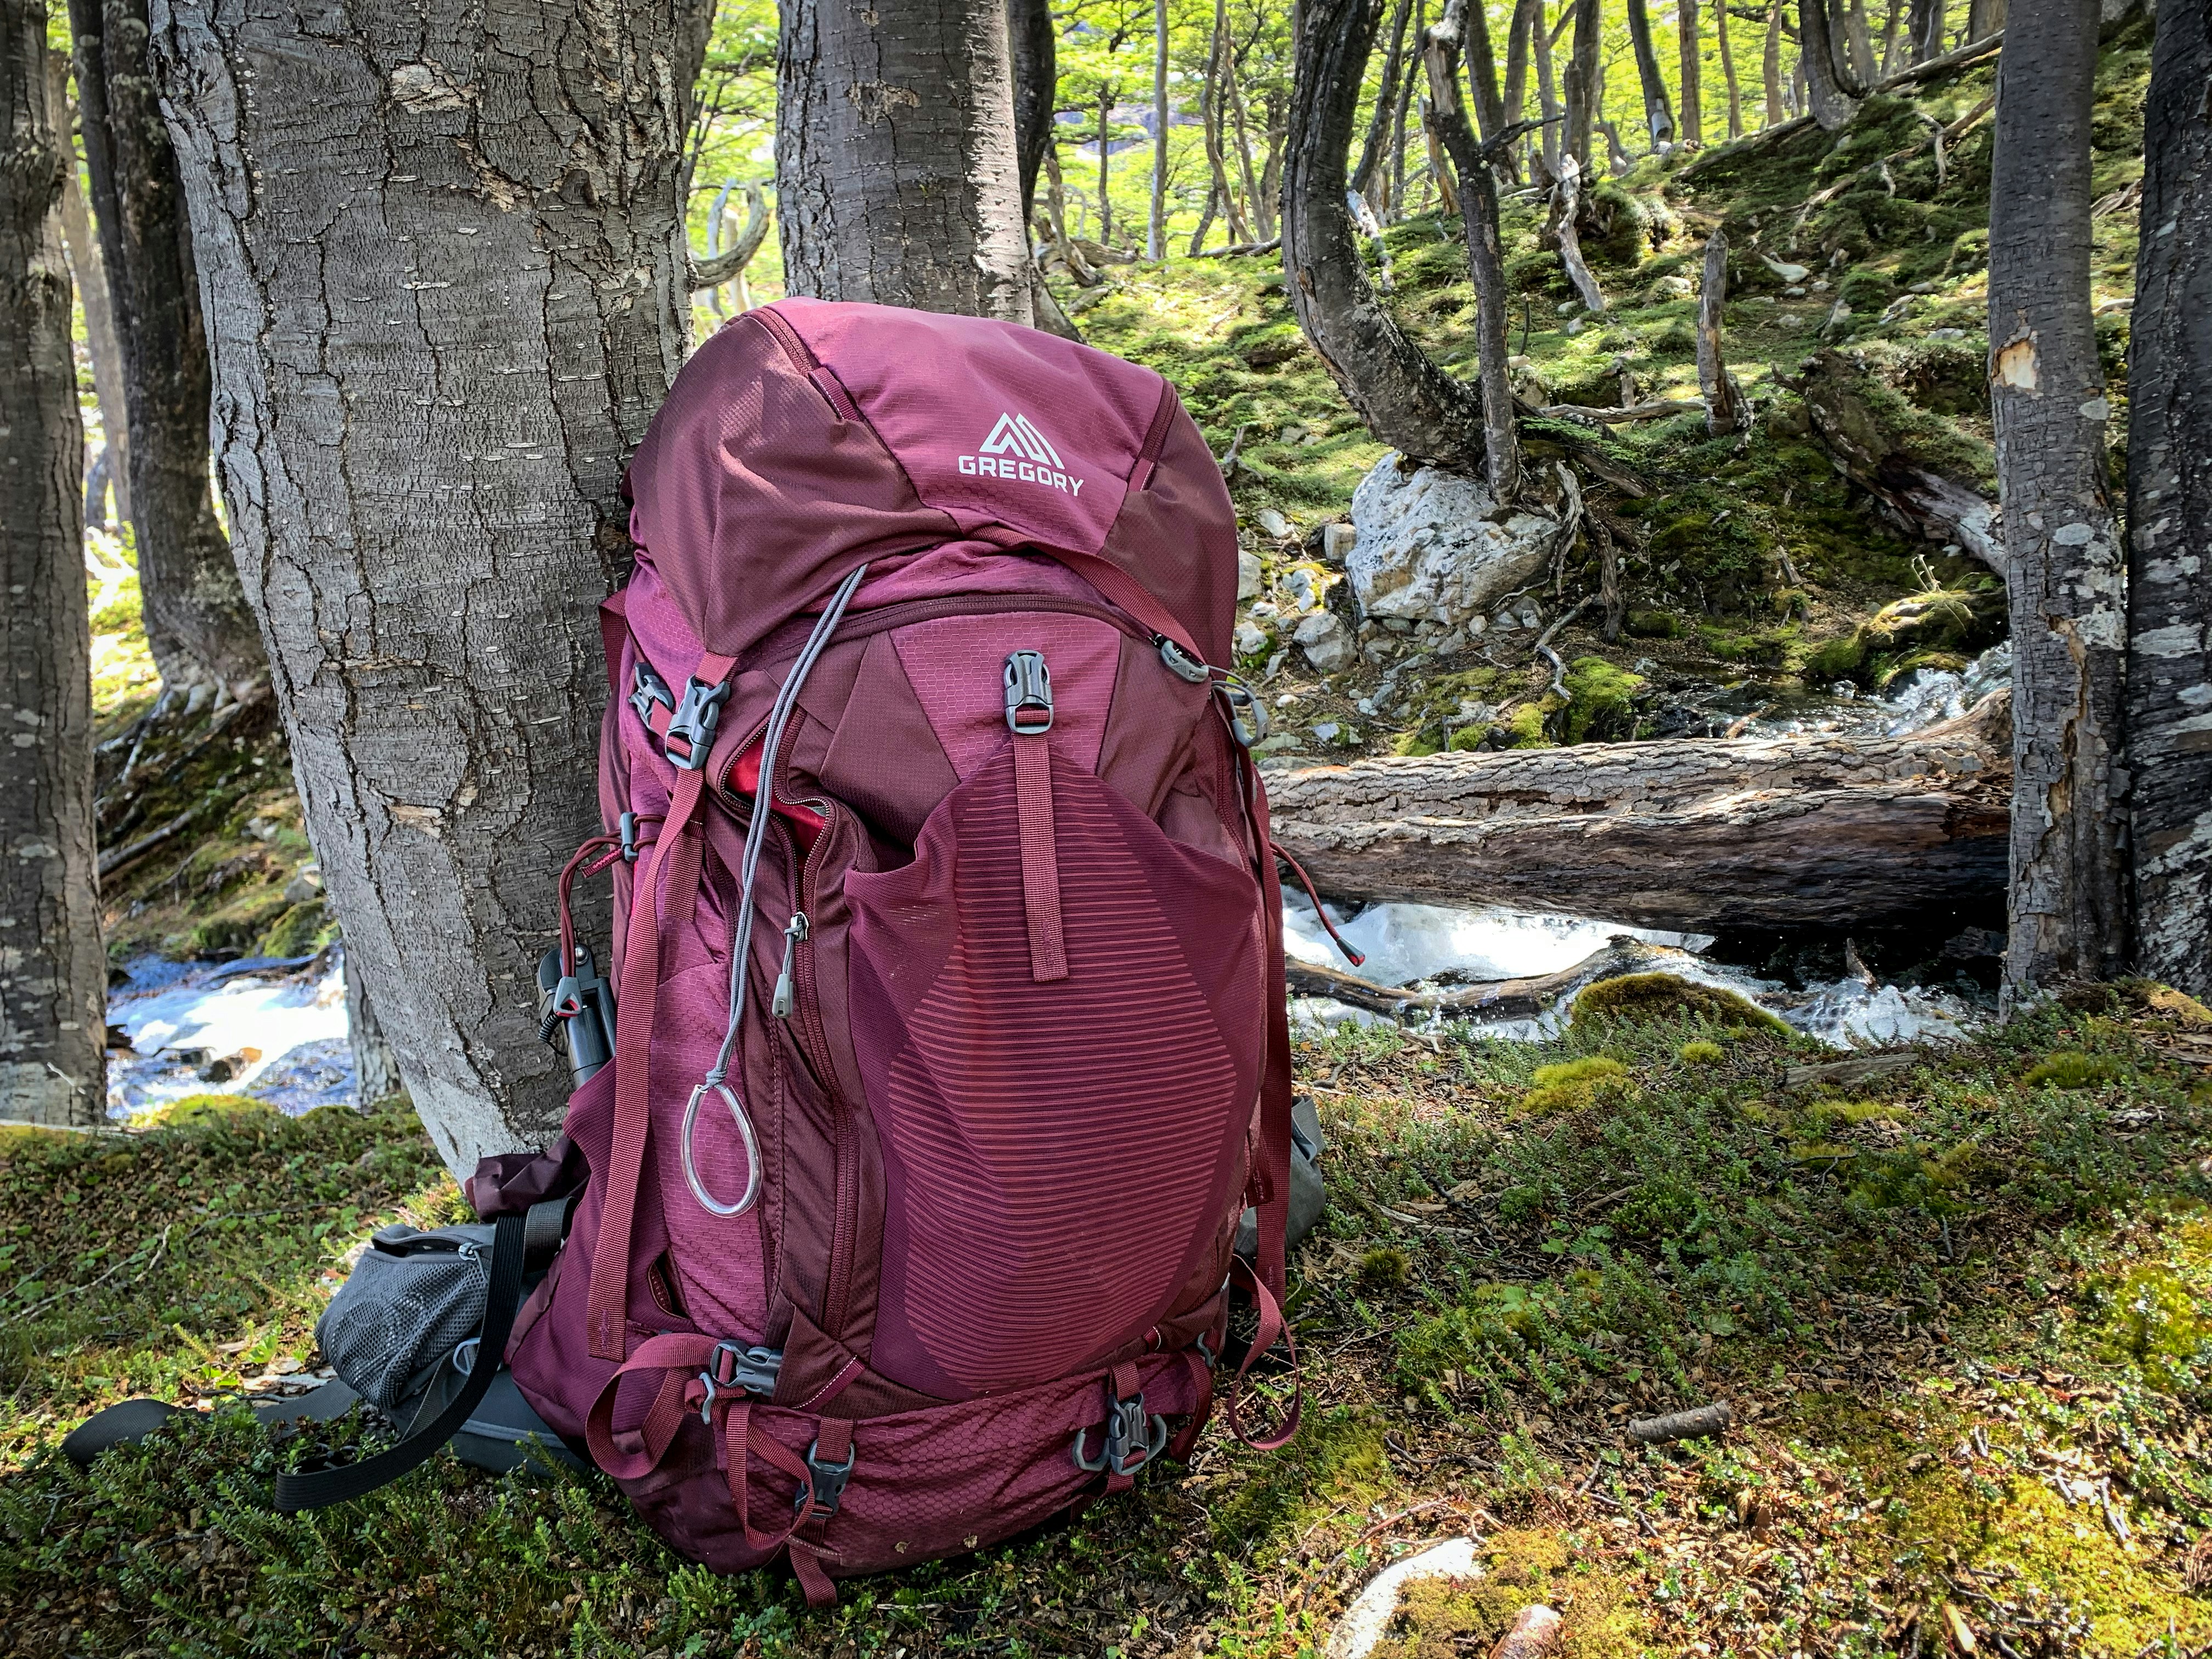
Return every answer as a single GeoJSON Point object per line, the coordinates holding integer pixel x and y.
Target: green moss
{"type": "Point", "coordinates": [1445, 1618]}
{"type": "Point", "coordinates": [1526, 724]}
{"type": "Point", "coordinates": [234, 929]}
{"type": "Point", "coordinates": [1574, 1085]}
{"type": "Point", "coordinates": [1653, 625]}
{"type": "Point", "coordinates": [1857, 1111]}
{"type": "Point", "coordinates": [1601, 702]}
{"type": "Point", "coordinates": [2070, 1069]}
{"type": "Point", "coordinates": [210, 1108]}
{"type": "Point", "coordinates": [1642, 998]}
{"type": "Point", "coordinates": [1384, 1269]}
{"type": "Point", "coordinates": [1701, 1053]}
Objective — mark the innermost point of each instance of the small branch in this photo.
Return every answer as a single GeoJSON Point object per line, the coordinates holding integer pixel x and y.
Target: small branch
{"type": "Point", "coordinates": [123, 857]}
{"type": "Point", "coordinates": [1658, 409]}
{"type": "Point", "coordinates": [714, 271]}
{"type": "Point", "coordinates": [1694, 1424]}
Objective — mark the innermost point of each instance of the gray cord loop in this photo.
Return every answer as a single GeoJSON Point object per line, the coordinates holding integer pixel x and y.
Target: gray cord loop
{"type": "Point", "coordinates": [740, 944]}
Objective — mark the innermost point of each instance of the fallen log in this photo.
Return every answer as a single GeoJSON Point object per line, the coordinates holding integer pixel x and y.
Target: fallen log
{"type": "Point", "coordinates": [1523, 998]}
{"type": "Point", "coordinates": [1691, 834]}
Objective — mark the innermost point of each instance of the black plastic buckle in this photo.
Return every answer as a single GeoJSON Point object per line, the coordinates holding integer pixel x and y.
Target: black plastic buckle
{"type": "Point", "coordinates": [690, 731]}
{"type": "Point", "coordinates": [647, 689]}
{"type": "Point", "coordinates": [734, 1365]}
{"type": "Point", "coordinates": [1029, 693]}
{"type": "Point", "coordinates": [826, 1480]}
{"type": "Point", "coordinates": [626, 827]}
{"type": "Point", "coordinates": [1132, 1438]}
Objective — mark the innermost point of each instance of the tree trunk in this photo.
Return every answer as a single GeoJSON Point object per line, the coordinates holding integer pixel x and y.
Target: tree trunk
{"type": "Point", "coordinates": [1486, 261]}
{"type": "Point", "coordinates": [2065, 580]}
{"type": "Point", "coordinates": [1394, 206]}
{"type": "Point", "coordinates": [2169, 671]}
{"type": "Point", "coordinates": [1771, 68]}
{"type": "Point", "coordinates": [1548, 93]}
{"type": "Point", "coordinates": [1386, 95]}
{"type": "Point", "coordinates": [1926, 30]}
{"type": "Point", "coordinates": [1566, 211]}
{"type": "Point", "coordinates": [423, 436]}
{"type": "Point", "coordinates": [1155, 237]}
{"type": "Point", "coordinates": [1690, 33]}
{"type": "Point", "coordinates": [898, 178]}
{"type": "Point", "coordinates": [1724, 410]}
{"type": "Point", "coordinates": [1985, 18]}
{"type": "Point", "coordinates": [1256, 205]}
{"type": "Point", "coordinates": [1211, 101]}
{"type": "Point", "coordinates": [53, 974]}
{"type": "Point", "coordinates": [1830, 84]}
{"type": "Point", "coordinates": [1658, 113]}
{"type": "Point", "coordinates": [1527, 16]}
{"type": "Point", "coordinates": [197, 624]}
{"type": "Point", "coordinates": [1702, 834]}
{"type": "Point", "coordinates": [1105, 200]}
{"type": "Point", "coordinates": [1482, 73]}
{"type": "Point", "coordinates": [1727, 71]}
{"type": "Point", "coordinates": [1890, 63]}
{"type": "Point", "coordinates": [1035, 58]}
{"type": "Point", "coordinates": [91, 275]}
{"type": "Point", "coordinates": [1406, 400]}
{"type": "Point", "coordinates": [1582, 83]}
{"type": "Point", "coordinates": [1861, 42]}
{"type": "Point", "coordinates": [375, 1068]}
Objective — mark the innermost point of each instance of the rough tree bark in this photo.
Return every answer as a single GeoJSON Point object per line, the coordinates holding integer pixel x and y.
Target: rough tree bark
{"type": "Point", "coordinates": [1486, 260]}
{"type": "Point", "coordinates": [2065, 577]}
{"type": "Point", "coordinates": [1724, 409]}
{"type": "Point", "coordinates": [897, 175]}
{"type": "Point", "coordinates": [1769, 69]}
{"type": "Point", "coordinates": [375, 1068]}
{"type": "Point", "coordinates": [1156, 235]}
{"type": "Point", "coordinates": [1482, 72]}
{"type": "Point", "coordinates": [197, 624]}
{"type": "Point", "coordinates": [1406, 400]}
{"type": "Point", "coordinates": [434, 349]}
{"type": "Point", "coordinates": [2169, 670]}
{"type": "Point", "coordinates": [1528, 16]}
{"type": "Point", "coordinates": [1690, 34]}
{"type": "Point", "coordinates": [1386, 98]}
{"type": "Point", "coordinates": [91, 275]}
{"type": "Point", "coordinates": [1693, 834]}
{"type": "Point", "coordinates": [53, 974]}
{"type": "Point", "coordinates": [1859, 41]}
{"type": "Point", "coordinates": [1547, 92]}
{"type": "Point", "coordinates": [1832, 87]}
{"type": "Point", "coordinates": [1658, 112]}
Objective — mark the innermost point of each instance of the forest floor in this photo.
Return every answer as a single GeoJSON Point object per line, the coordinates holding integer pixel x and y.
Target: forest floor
{"type": "Point", "coordinates": [1958, 1306]}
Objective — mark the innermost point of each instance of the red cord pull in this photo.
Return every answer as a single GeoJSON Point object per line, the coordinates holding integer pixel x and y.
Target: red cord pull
{"type": "Point", "coordinates": [1306, 882]}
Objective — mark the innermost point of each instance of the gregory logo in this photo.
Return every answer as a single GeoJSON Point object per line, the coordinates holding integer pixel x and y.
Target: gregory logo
{"type": "Point", "coordinates": [1018, 450]}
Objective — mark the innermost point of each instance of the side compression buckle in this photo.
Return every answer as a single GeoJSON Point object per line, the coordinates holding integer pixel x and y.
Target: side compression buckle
{"type": "Point", "coordinates": [1132, 1439]}
{"type": "Point", "coordinates": [734, 1365]}
{"type": "Point", "coordinates": [647, 689]}
{"type": "Point", "coordinates": [690, 731]}
{"type": "Point", "coordinates": [827, 1481]}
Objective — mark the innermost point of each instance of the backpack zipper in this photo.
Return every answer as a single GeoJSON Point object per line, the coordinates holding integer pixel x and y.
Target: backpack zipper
{"type": "Point", "coordinates": [814, 1042]}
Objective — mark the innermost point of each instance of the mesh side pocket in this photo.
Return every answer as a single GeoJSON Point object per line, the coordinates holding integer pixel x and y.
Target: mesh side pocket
{"type": "Point", "coordinates": [396, 1318]}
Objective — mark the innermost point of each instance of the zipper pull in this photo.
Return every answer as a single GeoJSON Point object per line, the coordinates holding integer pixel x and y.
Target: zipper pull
{"type": "Point", "coordinates": [792, 936]}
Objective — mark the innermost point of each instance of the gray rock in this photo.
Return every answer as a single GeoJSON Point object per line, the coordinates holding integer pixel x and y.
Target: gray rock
{"type": "Point", "coordinates": [1248, 578]}
{"type": "Point", "coordinates": [1273, 523]}
{"type": "Point", "coordinates": [1326, 641]}
{"type": "Point", "coordinates": [1300, 589]}
{"type": "Point", "coordinates": [1327, 731]}
{"type": "Point", "coordinates": [1251, 639]}
{"type": "Point", "coordinates": [1431, 548]}
{"type": "Point", "coordinates": [1337, 541]}
{"type": "Point", "coordinates": [306, 885]}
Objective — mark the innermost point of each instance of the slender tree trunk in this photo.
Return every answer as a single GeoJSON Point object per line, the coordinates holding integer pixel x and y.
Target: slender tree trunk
{"type": "Point", "coordinates": [1372, 156]}
{"type": "Point", "coordinates": [2065, 575]}
{"type": "Point", "coordinates": [1582, 83]}
{"type": "Point", "coordinates": [53, 974]}
{"type": "Point", "coordinates": [1526, 17]}
{"type": "Point", "coordinates": [1156, 239]}
{"type": "Point", "coordinates": [1658, 113]}
{"type": "Point", "coordinates": [1406, 400]}
{"type": "Point", "coordinates": [1256, 205]}
{"type": "Point", "coordinates": [898, 177]}
{"type": "Point", "coordinates": [1926, 29]}
{"type": "Point", "coordinates": [1105, 200]}
{"type": "Point", "coordinates": [1270, 175]}
{"type": "Point", "coordinates": [1211, 100]}
{"type": "Point", "coordinates": [197, 624]}
{"type": "Point", "coordinates": [1724, 410]}
{"type": "Point", "coordinates": [422, 437]}
{"type": "Point", "coordinates": [1985, 18]}
{"type": "Point", "coordinates": [1482, 72]}
{"type": "Point", "coordinates": [1771, 68]}
{"type": "Point", "coordinates": [1690, 28]}
{"type": "Point", "coordinates": [1486, 260]}
{"type": "Point", "coordinates": [2169, 672]}
{"type": "Point", "coordinates": [91, 275]}
{"type": "Point", "coordinates": [1861, 42]}
{"type": "Point", "coordinates": [1831, 86]}
{"type": "Point", "coordinates": [1394, 202]}
{"type": "Point", "coordinates": [1728, 70]}
{"type": "Point", "coordinates": [1890, 27]}
{"type": "Point", "coordinates": [1548, 93]}
{"type": "Point", "coordinates": [1035, 58]}
{"type": "Point", "coordinates": [1056, 206]}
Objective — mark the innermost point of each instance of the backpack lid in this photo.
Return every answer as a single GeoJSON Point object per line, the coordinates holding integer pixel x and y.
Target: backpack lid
{"type": "Point", "coordinates": [807, 437]}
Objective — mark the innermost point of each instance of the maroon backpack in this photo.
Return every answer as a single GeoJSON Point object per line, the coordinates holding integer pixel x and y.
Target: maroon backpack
{"type": "Point", "coordinates": [950, 1045]}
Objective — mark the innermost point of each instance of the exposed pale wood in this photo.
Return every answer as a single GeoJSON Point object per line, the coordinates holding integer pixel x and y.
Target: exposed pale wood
{"type": "Point", "coordinates": [1498, 998]}
{"type": "Point", "coordinates": [1701, 833]}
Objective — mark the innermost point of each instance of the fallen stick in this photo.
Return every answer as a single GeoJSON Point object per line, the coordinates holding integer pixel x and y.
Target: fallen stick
{"type": "Point", "coordinates": [124, 857]}
{"type": "Point", "coordinates": [1694, 1424]}
{"type": "Point", "coordinates": [1656, 408]}
{"type": "Point", "coordinates": [1499, 998]}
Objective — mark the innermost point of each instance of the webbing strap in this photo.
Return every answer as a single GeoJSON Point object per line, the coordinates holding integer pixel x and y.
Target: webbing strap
{"type": "Point", "coordinates": [1132, 595]}
{"type": "Point", "coordinates": [607, 1318]}
{"type": "Point", "coordinates": [1040, 855]}
{"type": "Point", "coordinates": [1273, 1327]}
{"type": "Point", "coordinates": [738, 1439]}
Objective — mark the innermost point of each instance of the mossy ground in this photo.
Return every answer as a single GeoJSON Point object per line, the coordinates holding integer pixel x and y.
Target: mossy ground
{"type": "Point", "coordinates": [1959, 1313]}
